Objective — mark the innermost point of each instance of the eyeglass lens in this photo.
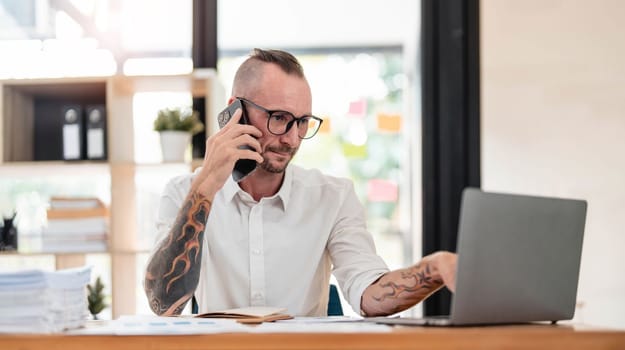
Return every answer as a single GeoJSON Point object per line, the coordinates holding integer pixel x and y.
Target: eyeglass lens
{"type": "Point", "coordinates": [281, 122]}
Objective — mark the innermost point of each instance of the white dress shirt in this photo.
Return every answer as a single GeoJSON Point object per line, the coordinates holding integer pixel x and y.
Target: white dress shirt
{"type": "Point", "coordinates": [280, 250]}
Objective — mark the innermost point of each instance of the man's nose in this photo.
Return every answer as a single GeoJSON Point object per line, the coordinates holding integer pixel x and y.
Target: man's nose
{"type": "Point", "coordinates": [291, 137]}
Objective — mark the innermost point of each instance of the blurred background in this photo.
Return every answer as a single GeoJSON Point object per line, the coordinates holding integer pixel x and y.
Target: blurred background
{"type": "Point", "coordinates": [551, 99]}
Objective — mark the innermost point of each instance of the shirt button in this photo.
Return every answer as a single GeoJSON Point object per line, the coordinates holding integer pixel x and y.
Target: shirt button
{"type": "Point", "coordinates": [256, 251]}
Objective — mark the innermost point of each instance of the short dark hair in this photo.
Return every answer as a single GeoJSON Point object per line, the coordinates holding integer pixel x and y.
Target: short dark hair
{"type": "Point", "coordinates": [250, 68]}
{"type": "Point", "coordinates": [286, 61]}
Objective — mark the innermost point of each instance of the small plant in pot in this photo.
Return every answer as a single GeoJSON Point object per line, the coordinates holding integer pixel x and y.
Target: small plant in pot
{"type": "Point", "coordinates": [95, 298]}
{"type": "Point", "coordinates": [175, 127]}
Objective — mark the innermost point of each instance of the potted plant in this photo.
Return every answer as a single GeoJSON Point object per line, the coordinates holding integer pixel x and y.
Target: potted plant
{"type": "Point", "coordinates": [95, 298]}
{"type": "Point", "coordinates": [176, 126]}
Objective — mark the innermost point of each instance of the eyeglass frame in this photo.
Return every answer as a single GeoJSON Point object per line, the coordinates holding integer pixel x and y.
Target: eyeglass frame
{"type": "Point", "coordinates": [289, 125]}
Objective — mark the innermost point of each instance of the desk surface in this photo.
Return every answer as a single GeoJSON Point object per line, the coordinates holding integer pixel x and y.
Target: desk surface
{"type": "Point", "coordinates": [508, 337]}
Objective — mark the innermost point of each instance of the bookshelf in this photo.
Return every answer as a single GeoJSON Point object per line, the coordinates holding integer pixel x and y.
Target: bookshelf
{"type": "Point", "coordinates": [20, 106]}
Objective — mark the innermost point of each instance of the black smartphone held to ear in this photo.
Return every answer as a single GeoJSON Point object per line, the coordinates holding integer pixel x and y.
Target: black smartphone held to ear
{"type": "Point", "coordinates": [224, 116]}
{"type": "Point", "coordinates": [242, 167]}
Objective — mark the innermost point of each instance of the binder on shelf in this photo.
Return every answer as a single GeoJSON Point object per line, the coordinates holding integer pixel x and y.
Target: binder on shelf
{"type": "Point", "coordinates": [48, 137]}
{"type": "Point", "coordinates": [95, 121]}
{"type": "Point", "coordinates": [72, 122]}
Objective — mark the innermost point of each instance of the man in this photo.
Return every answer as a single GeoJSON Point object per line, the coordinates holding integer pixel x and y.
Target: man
{"type": "Point", "coordinates": [275, 237]}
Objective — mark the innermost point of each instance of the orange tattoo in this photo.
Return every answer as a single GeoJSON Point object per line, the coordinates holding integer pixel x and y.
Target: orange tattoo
{"type": "Point", "coordinates": [189, 236]}
{"type": "Point", "coordinates": [173, 272]}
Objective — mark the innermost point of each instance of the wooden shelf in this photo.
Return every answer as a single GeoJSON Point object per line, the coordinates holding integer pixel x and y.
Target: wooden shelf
{"type": "Point", "coordinates": [54, 168]}
{"type": "Point", "coordinates": [24, 102]}
{"type": "Point", "coordinates": [18, 99]}
{"type": "Point", "coordinates": [196, 83]}
{"type": "Point", "coordinates": [58, 87]}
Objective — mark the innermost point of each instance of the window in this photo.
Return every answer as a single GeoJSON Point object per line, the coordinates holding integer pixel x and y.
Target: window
{"type": "Point", "coordinates": [43, 38]}
{"type": "Point", "coordinates": [364, 84]}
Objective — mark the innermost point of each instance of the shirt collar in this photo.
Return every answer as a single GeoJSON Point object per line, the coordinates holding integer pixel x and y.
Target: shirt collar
{"type": "Point", "coordinates": [231, 188]}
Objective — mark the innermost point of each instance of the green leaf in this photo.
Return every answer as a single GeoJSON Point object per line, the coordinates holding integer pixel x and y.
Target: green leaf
{"type": "Point", "coordinates": [179, 119]}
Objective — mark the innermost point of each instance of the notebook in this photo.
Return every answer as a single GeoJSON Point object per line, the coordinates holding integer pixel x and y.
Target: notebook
{"type": "Point", "coordinates": [250, 315]}
{"type": "Point", "coordinates": [518, 260]}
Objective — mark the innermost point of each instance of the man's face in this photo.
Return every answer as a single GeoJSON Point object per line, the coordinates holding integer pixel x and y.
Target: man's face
{"type": "Point", "coordinates": [278, 91]}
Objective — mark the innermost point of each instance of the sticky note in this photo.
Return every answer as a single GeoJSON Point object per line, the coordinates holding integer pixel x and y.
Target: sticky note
{"type": "Point", "coordinates": [389, 122]}
{"type": "Point", "coordinates": [380, 190]}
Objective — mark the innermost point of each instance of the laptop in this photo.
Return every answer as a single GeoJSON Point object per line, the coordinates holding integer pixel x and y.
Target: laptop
{"type": "Point", "coordinates": [518, 261]}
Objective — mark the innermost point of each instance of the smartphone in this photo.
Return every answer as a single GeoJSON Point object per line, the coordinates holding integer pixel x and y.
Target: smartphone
{"type": "Point", "coordinates": [242, 167]}
{"type": "Point", "coordinates": [224, 116]}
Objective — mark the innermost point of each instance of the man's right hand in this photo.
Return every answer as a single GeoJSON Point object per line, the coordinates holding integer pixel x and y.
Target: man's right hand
{"type": "Point", "coordinates": [223, 150]}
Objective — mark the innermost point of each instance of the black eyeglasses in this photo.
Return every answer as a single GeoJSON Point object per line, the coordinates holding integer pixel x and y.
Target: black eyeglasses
{"type": "Point", "coordinates": [280, 122]}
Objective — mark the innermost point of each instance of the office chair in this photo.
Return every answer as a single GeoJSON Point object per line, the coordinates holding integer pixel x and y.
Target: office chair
{"type": "Point", "coordinates": [194, 307]}
{"type": "Point", "coordinates": [334, 303]}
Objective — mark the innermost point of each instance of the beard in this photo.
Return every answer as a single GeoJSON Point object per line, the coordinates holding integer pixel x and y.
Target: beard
{"type": "Point", "coordinates": [274, 168]}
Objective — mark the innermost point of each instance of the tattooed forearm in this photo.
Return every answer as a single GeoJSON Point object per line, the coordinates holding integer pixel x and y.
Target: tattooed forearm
{"type": "Point", "coordinates": [415, 280]}
{"type": "Point", "coordinates": [401, 289]}
{"type": "Point", "coordinates": [173, 271]}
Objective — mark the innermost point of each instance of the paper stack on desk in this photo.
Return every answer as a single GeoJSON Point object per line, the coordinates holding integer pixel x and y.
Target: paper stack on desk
{"type": "Point", "coordinates": [35, 301]}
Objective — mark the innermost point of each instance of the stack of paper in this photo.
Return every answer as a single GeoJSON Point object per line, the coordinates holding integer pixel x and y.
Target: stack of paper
{"type": "Point", "coordinates": [35, 301]}
{"type": "Point", "coordinates": [75, 225]}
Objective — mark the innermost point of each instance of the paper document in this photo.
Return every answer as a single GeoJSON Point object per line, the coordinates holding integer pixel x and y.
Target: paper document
{"type": "Point", "coordinates": [334, 327]}
{"type": "Point", "coordinates": [186, 324]}
{"type": "Point", "coordinates": [147, 324]}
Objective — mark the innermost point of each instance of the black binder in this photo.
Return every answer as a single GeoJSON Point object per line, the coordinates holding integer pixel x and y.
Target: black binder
{"type": "Point", "coordinates": [48, 125]}
{"type": "Point", "coordinates": [72, 132]}
{"type": "Point", "coordinates": [95, 132]}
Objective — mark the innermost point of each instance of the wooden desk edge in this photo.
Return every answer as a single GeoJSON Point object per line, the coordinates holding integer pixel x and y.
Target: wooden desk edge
{"type": "Point", "coordinates": [511, 337]}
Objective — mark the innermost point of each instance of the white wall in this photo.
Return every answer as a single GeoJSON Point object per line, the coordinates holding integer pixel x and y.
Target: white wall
{"type": "Point", "coordinates": [553, 123]}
